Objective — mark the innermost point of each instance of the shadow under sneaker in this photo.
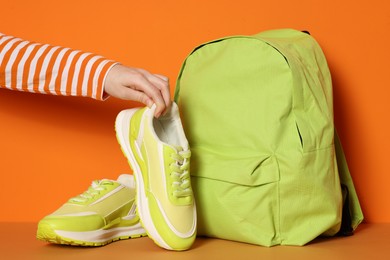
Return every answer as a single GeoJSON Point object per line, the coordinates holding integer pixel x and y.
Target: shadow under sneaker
{"type": "Point", "coordinates": [158, 153]}
{"type": "Point", "coordinates": [106, 212]}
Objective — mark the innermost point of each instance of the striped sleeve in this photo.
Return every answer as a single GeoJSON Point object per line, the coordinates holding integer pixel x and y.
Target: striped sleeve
{"type": "Point", "coordinates": [46, 69]}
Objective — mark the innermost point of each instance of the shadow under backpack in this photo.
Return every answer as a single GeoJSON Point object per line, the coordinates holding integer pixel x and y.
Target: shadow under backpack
{"type": "Point", "coordinates": [267, 167]}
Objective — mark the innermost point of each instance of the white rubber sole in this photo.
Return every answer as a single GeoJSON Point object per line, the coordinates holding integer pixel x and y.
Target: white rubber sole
{"type": "Point", "coordinates": [122, 128]}
{"type": "Point", "coordinates": [99, 237]}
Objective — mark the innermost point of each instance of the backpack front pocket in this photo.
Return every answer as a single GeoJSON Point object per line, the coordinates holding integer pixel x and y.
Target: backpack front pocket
{"type": "Point", "coordinates": [237, 199]}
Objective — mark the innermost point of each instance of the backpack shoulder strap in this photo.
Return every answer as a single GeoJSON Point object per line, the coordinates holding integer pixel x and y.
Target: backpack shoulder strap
{"type": "Point", "coordinates": [352, 212]}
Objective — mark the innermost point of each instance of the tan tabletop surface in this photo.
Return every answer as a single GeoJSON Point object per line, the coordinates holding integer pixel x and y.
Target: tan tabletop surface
{"type": "Point", "coordinates": [371, 241]}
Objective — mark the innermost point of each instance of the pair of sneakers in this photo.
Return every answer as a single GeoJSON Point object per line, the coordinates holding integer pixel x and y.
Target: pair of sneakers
{"type": "Point", "coordinates": [157, 200]}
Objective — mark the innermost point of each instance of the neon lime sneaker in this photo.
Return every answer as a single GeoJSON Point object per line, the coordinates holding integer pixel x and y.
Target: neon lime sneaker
{"type": "Point", "coordinates": [158, 153]}
{"type": "Point", "coordinates": [106, 212]}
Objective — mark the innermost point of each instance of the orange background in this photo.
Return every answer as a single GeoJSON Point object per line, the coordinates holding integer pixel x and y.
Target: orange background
{"type": "Point", "coordinates": [53, 147]}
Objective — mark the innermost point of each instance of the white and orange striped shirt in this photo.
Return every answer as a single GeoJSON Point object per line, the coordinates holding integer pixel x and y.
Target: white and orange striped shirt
{"type": "Point", "coordinates": [46, 69]}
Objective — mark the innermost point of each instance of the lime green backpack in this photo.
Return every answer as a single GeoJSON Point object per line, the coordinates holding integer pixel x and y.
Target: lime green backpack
{"type": "Point", "coordinates": [266, 165]}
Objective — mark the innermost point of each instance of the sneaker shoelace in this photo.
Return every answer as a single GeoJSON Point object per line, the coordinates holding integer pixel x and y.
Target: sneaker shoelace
{"type": "Point", "coordinates": [180, 173]}
{"type": "Point", "coordinates": [93, 190]}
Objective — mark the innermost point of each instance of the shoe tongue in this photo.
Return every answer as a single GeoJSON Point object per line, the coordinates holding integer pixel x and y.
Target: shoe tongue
{"type": "Point", "coordinates": [126, 180]}
{"type": "Point", "coordinates": [179, 149]}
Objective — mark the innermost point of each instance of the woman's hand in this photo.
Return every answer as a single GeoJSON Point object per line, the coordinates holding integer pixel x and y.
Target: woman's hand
{"type": "Point", "coordinates": [139, 85]}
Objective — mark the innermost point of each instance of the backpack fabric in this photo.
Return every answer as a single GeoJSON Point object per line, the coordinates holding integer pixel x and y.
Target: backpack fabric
{"type": "Point", "coordinates": [266, 165]}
